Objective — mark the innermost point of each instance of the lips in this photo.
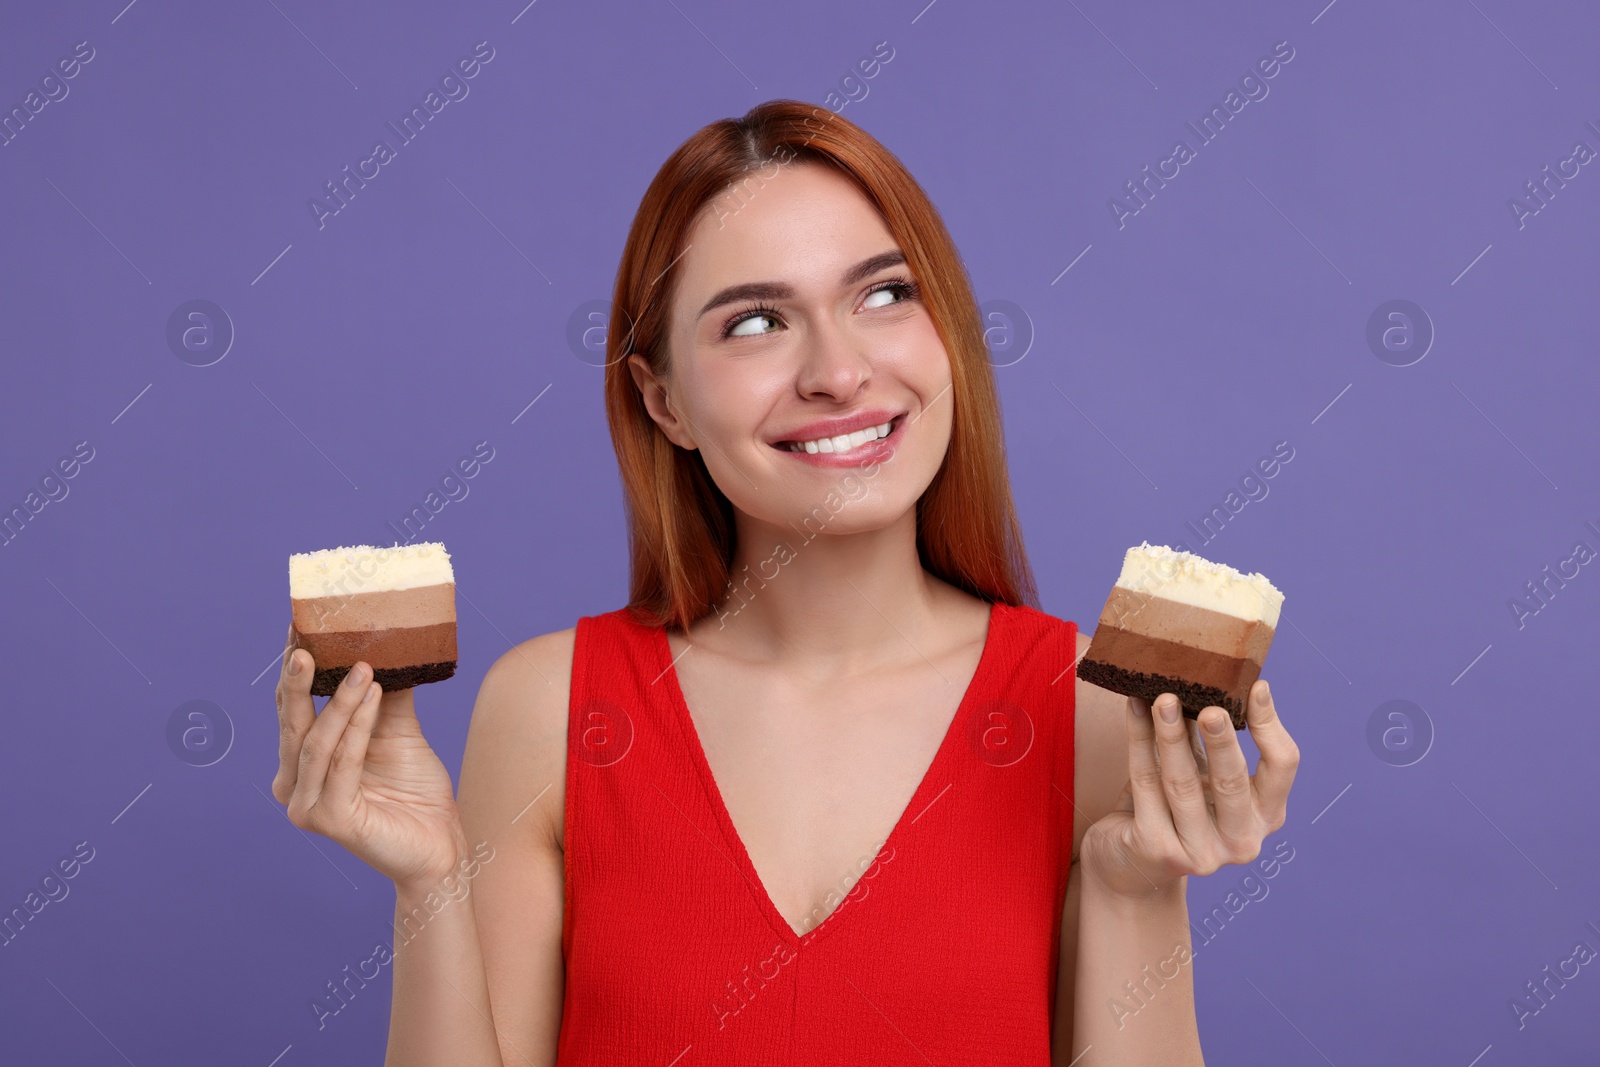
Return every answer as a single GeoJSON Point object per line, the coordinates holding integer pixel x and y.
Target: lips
{"type": "Point", "coordinates": [839, 426]}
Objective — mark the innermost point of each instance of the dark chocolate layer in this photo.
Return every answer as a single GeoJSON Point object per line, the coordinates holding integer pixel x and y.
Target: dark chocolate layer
{"type": "Point", "coordinates": [389, 679]}
{"type": "Point", "coordinates": [394, 648]}
{"type": "Point", "coordinates": [1141, 653]}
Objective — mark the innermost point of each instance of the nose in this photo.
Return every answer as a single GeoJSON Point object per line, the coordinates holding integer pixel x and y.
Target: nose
{"type": "Point", "coordinates": [834, 363]}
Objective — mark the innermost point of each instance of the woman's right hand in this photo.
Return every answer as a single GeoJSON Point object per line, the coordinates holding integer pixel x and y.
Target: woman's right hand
{"type": "Point", "coordinates": [361, 773]}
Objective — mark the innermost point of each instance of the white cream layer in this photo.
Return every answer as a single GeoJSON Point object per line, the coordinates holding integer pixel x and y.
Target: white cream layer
{"type": "Point", "coordinates": [367, 569]}
{"type": "Point", "coordinates": [1187, 579]}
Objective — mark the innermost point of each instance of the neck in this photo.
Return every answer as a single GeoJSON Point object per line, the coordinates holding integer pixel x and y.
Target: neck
{"type": "Point", "coordinates": [840, 600]}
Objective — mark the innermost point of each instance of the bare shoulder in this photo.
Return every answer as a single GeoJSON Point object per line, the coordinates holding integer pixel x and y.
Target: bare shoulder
{"type": "Point", "coordinates": [1100, 744]}
{"type": "Point", "coordinates": [514, 767]}
{"type": "Point", "coordinates": [512, 796]}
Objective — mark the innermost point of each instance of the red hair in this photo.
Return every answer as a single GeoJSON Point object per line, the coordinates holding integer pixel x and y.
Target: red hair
{"type": "Point", "coordinates": [681, 526]}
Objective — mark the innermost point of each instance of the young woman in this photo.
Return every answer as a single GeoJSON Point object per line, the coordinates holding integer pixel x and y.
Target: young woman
{"type": "Point", "coordinates": [828, 789]}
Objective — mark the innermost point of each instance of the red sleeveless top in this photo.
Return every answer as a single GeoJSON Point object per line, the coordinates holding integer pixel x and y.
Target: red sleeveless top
{"type": "Point", "coordinates": [944, 948]}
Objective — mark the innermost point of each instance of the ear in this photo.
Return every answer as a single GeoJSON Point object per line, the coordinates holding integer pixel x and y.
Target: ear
{"type": "Point", "coordinates": [658, 403]}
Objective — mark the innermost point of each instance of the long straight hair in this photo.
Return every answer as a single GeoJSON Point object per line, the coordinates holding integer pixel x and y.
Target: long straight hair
{"type": "Point", "coordinates": [681, 526]}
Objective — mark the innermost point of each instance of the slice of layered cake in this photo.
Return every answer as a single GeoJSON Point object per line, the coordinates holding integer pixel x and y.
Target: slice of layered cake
{"type": "Point", "coordinates": [391, 608]}
{"type": "Point", "coordinates": [1176, 623]}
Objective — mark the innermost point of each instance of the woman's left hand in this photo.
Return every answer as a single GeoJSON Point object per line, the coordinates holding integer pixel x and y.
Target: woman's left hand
{"type": "Point", "coordinates": [1190, 808]}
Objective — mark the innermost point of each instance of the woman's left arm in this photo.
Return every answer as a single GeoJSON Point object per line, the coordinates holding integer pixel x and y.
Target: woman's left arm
{"type": "Point", "coordinates": [1186, 810]}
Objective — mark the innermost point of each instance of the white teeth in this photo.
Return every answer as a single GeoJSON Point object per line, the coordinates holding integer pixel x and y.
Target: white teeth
{"type": "Point", "coordinates": [844, 442]}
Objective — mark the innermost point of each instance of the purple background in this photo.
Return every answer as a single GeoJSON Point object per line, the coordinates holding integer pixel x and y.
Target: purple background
{"type": "Point", "coordinates": [1139, 387]}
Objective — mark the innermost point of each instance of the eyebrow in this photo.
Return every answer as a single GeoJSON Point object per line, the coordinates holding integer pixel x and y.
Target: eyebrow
{"type": "Point", "coordinates": [781, 291]}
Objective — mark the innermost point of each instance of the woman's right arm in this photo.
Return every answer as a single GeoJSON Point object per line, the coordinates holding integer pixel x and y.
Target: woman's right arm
{"type": "Point", "coordinates": [361, 773]}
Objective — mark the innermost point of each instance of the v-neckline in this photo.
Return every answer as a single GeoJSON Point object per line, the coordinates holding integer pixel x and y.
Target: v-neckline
{"type": "Point", "coordinates": [920, 798]}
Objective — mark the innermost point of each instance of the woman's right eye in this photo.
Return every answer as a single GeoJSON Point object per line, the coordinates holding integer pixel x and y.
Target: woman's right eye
{"type": "Point", "coordinates": [745, 324]}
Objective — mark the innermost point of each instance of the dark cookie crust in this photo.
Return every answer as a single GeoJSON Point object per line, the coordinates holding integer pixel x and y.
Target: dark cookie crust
{"type": "Point", "coordinates": [389, 679]}
{"type": "Point", "coordinates": [1194, 698]}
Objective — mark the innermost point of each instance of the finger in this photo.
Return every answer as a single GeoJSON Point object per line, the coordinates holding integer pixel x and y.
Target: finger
{"type": "Point", "coordinates": [394, 708]}
{"type": "Point", "coordinates": [316, 751]}
{"type": "Point", "coordinates": [1150, 812]}
{"type": "Point", "coordinates": [1231, 791]}
{"type": "Point", "coordinates": [1197, 748]}
{"type": "Point", "coordinates": [344, 770]}
{"type": "Point", "coordinates": [296, 713]}
{"type": "Point", "coordinates": [1180, 778]}
{"type": "Point", "coordinates": [1280, 756]}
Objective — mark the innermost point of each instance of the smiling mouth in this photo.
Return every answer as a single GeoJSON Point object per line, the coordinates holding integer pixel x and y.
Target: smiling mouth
{"type": "Point", "coordinates": [845, 443]}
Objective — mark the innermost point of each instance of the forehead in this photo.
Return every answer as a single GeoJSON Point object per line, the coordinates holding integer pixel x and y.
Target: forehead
{"type": "Point", "coordinates": [805, 225]}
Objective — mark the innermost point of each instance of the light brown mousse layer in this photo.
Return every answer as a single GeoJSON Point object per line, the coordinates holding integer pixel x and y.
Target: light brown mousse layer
{"type": "Point", "coordinates": [427, 605]}
{"type": "Point", "coordinates": [1185, 624]}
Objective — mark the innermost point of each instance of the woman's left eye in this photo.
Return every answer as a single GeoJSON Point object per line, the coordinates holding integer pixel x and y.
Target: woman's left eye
{"type": "Point", "coordinates": [904, 289]}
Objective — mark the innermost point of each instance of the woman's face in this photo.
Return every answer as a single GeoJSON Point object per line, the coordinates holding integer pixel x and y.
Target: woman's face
{"type": "Point", "coordinates": [794, 320]}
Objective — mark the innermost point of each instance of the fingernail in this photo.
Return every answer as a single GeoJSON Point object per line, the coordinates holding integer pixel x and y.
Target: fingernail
{"type": "Point", "coordinates": [1217, 725]}
{"type": "Point", "coordinates": [356, 678]}
{"type": "Point", "coordinates": [1266, 693]}
{"type": "Point", "coordinates": [1168, 707]}
{"type": "Point", "coordinates": [294, 663]}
